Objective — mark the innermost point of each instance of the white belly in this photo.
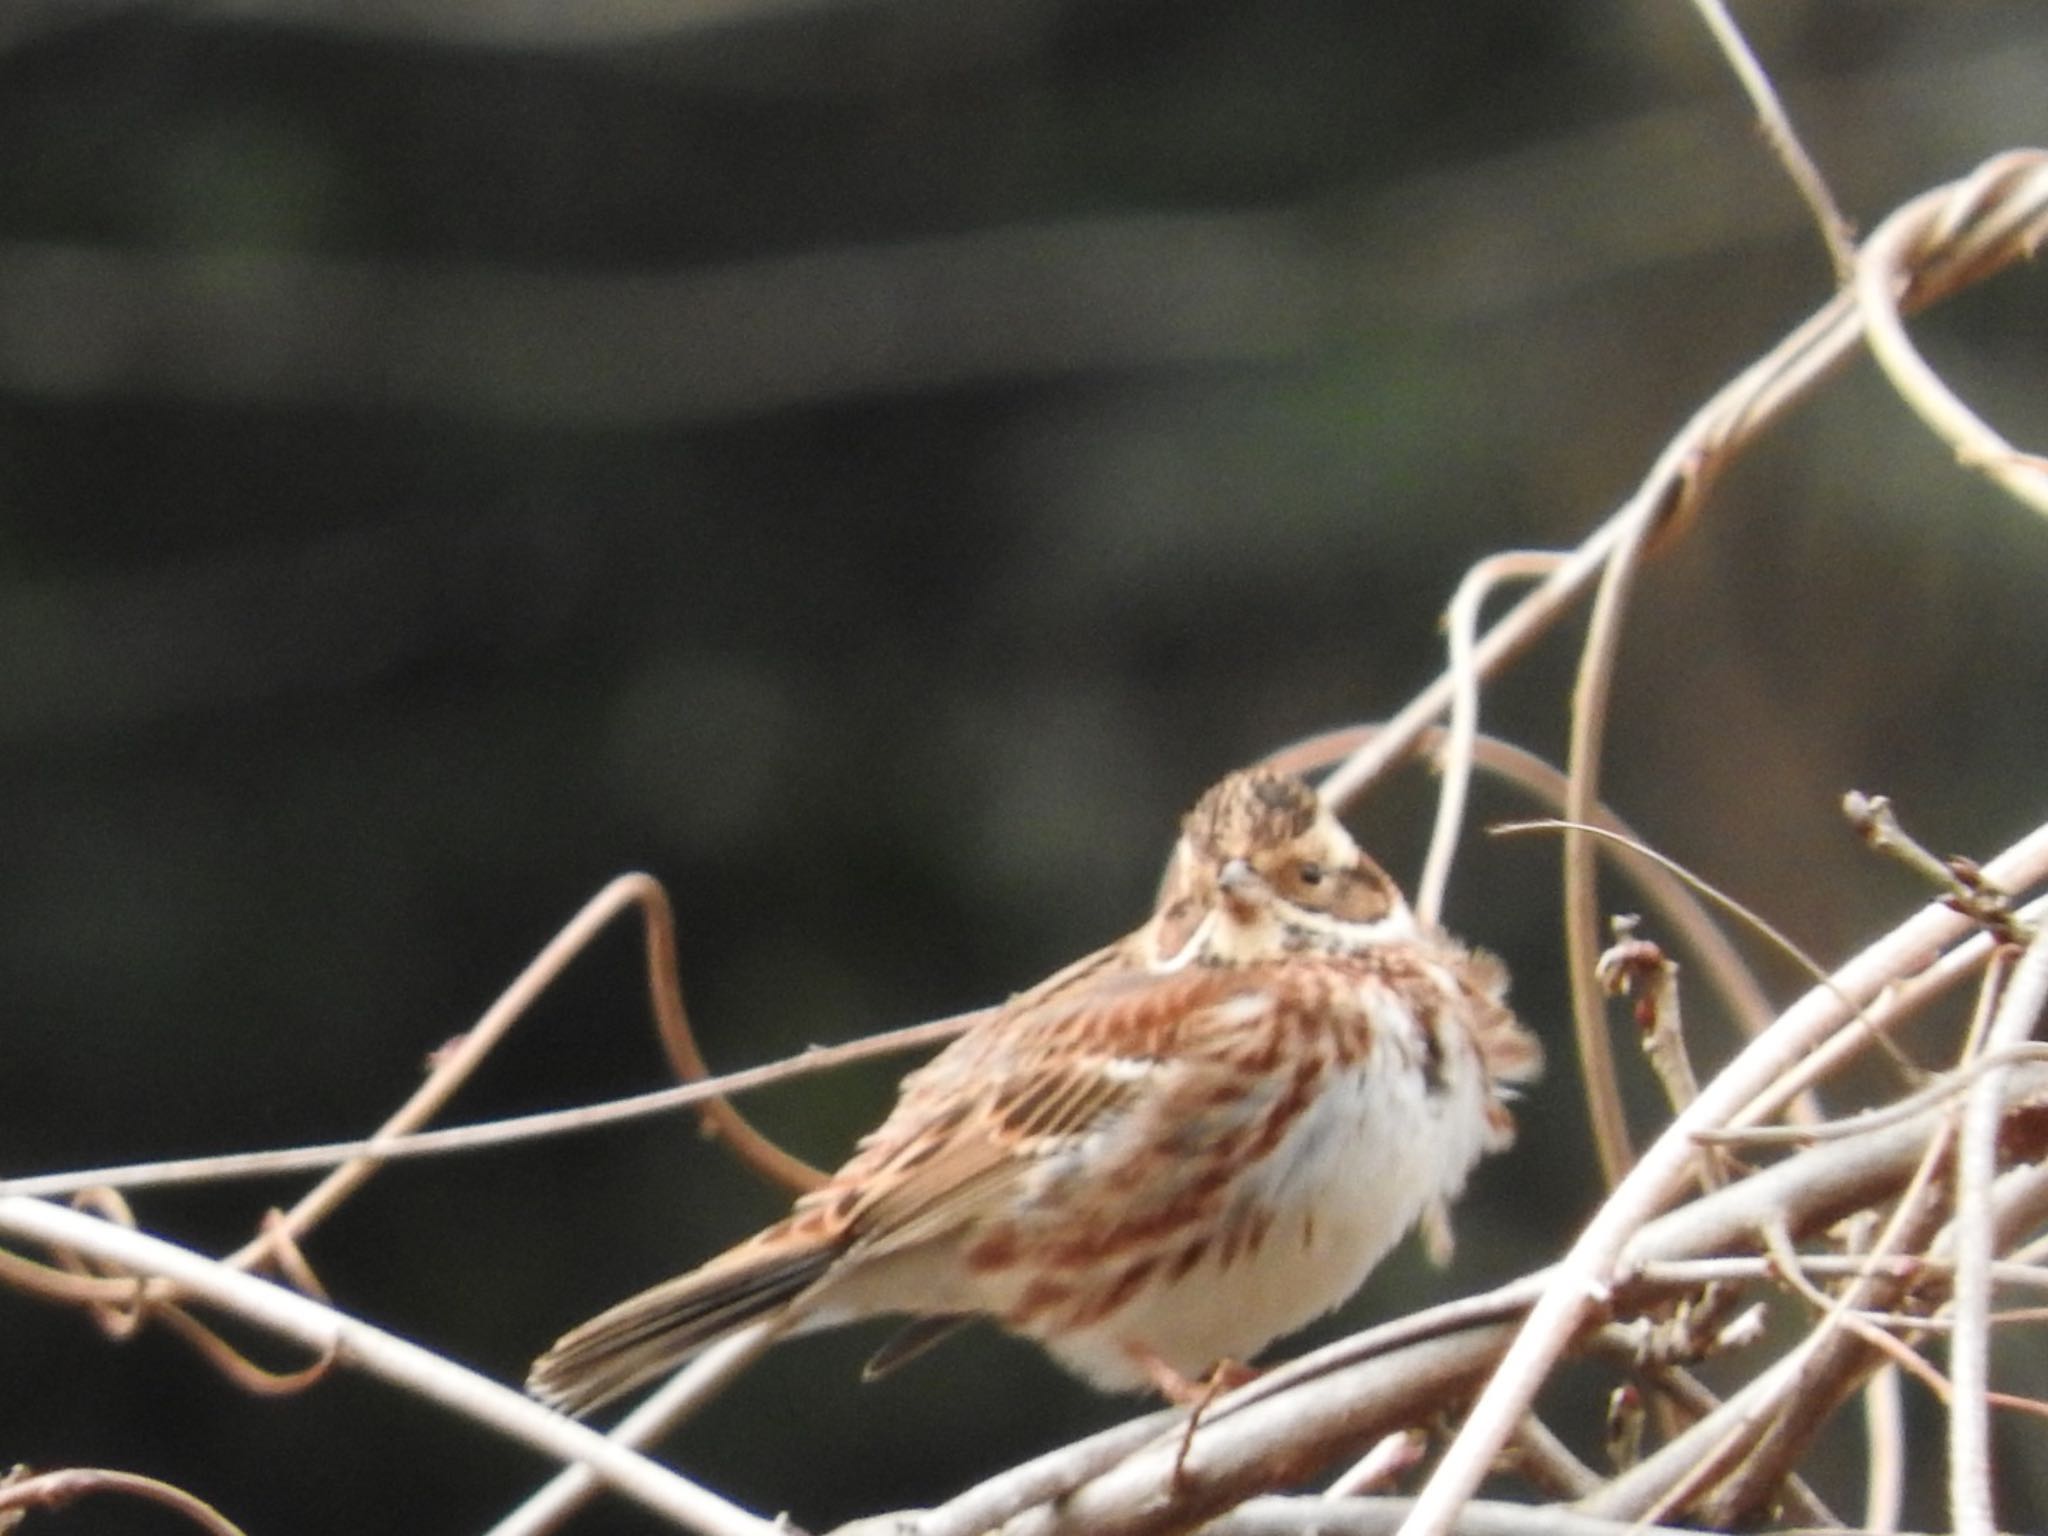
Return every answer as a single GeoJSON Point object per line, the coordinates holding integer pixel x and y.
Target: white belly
{"type": "Point", "coordinates": [1347, 1182]}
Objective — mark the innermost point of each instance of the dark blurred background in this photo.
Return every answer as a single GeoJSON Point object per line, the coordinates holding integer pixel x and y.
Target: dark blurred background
{"type": "Point", "coordinates": [870, 463]}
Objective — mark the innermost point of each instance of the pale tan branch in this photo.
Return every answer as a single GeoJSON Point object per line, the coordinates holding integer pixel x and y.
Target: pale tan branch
{"type": "Point", "coordinates": [1277, 1516]}
{"type": "Point", "coordinates": [675, 1400]}
{"type": "Point", "coordinates": [2019, 1011]}
{"type": "Point", "coordinates": [384, 1355]}
{"type": "Point", "coordinates": [1987, 221]}
{"type": "Point", "coordinates": [1943, 240]}
{"type": "Point", "coordinates": [1783, 138]}
{"type": "Point", "coordinates": [465, 1138]}
{"type": "Point", "coordinates": [1661, 1173]}
{"type": "Point", "coordinates": [61, 1487]}
{"type": "Point", "coordinates": [1461, 621]}
{"type": "Point", "coordinates": [1334, 1401]}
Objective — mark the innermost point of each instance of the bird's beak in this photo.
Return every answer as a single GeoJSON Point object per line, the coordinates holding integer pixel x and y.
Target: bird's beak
{"type": "Point", "coordinates": [1240, 884]}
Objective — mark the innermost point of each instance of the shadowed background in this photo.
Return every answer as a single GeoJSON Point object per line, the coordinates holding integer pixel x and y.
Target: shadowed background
{"type": "Point", "coordinates": [872, 464]}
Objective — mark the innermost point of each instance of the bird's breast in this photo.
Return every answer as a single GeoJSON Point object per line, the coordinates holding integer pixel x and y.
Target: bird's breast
{"type": "Point", "coordinates": [1285, 1199]}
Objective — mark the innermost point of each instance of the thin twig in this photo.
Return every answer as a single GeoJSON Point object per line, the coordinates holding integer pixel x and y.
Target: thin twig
{"type": "Point", "coordinates": [1991, 227]}
{"type": "Point", "coordinates": [1679, 1274]}
{"type": "Point", "coordinates": [1884, 1418]}
{"type": "Point", "coordinates": [1667, 497]}
{"type": "Point", "coordinates": [419, 1371]}
{"type": "Point", "coordinates": [1919, 252]}
{"type": "Point", "coordinates": [1782, 137]}
{"type": "Point", "coordinates": [1530, 772]}
{"type": "Point", "coordinates": [665, 992]}
{"type": "Point", "coordinates": [1884, 1472]}
{"type": "Point", "coordinates": [1732, 979]}
{"type": "Point", "coordinates": [1633, 966]}
{"type": "Point", "coordinates": [1331, 1402]}
{"type": "Point", "coordinates": [1693, 1460]}
{"type": "Point", "coordinates": [1548, 1463]}
{"type": "Point", "coordinates": [1947, 1086]}
{"type": "Point", "coordinates": [1899, 1001]}
{"type": "Point", "coordinates": [64, 1485]}
{"type": "Point", "coordinates": [1970, 1504]}
{"type": "Point", "coordinates": [1387, 1460]}
{"type": "Point", "coordinates": [1827, 1364]}
{"type": "Point", "coordinates": [1878, 825]}
{"type": "Point", "coordinates": [1513, 632]}
{"type": "Point", "coordinates": [1579, 1280]}
{"type": "Point", "coordinates": [1744, 913]}
{"type": "Point", "coordinates": [1279, 1516]}
{"type": "Point", "coordinates": [1639, 968]}
{"type": "Point", "coordinates": [682, 1394]}
{"type": "Point", "coordinates": [1590, 697]}
{"type": "Point", "coordinates": [518, 1128]}
{"type": "Point", "coordinates": [1461, 621]}
{"type": "Point", "coordinates": [455, 1065]}
{"type": "Point", "coordinates": [1044, 1479]}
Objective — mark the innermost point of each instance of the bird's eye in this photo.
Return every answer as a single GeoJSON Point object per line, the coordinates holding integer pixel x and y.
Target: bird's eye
{"type": "Point", "coordinates": [1308, 872]}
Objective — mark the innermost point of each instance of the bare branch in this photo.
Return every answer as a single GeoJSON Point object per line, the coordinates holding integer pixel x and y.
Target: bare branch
{"type": "Point", "coordinates": [1884, 1420]}
{"type": "Point", "coordinates": [383, 1148]}
{"type": "Point", "coordinates": [1383, 1516]}
{"type": "Point", "coordinates": [1461, 620]}
{"type": "Point", "coordinates": [66, 1485]}
{"type": "Point", "coordinates": [1579, 1280]}
{"type": "Point", "coordinates": [1970, 1504]}
{"type": "Point", "coordinates": [1944, 239]}
{"type": "Point", "coordinates": [387, 1356]}
{"type": "Point", "coordinates": [678, 1397]}
{"type": "Point", "coordinates": [1340, 1398]}
{"type": "Point", "coordinates": [1835, 233]}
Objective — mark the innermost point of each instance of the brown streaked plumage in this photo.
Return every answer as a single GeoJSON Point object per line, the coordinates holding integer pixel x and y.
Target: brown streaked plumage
{"type": "Point", "coordinates": [1166, 1155]}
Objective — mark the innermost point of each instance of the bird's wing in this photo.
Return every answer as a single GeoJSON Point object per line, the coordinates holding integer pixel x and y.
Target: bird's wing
{"type": "Point", "coordinates": [1026, 1085]}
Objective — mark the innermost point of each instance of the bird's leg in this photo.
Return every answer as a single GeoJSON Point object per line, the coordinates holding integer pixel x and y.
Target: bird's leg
{"type": "Point", "coordinates": [1193, 1394]}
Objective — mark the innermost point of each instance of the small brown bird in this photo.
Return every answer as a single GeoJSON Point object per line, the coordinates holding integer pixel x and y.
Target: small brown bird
{"type": "Point", "coordinates": [1157, 1160]}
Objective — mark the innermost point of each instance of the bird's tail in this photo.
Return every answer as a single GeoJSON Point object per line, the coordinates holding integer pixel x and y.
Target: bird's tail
{"type": "Point", "coordinates": [650, 1334]}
